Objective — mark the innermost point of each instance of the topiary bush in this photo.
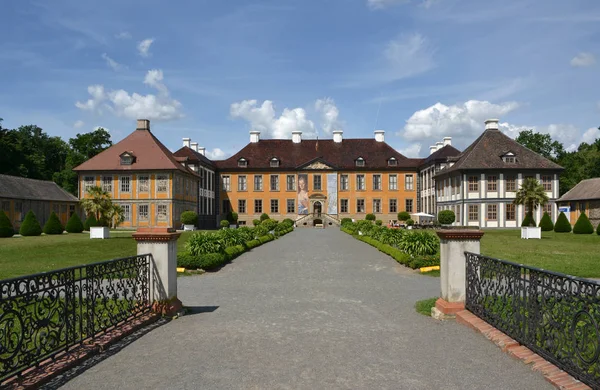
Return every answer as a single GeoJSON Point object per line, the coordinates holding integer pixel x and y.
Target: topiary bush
{"type": "Point", "coordinates": [446, 217]}
{"type": "Point", "coordinates": [234, 251]}
{"type": "Point", "coordinates": [90, 222]}
{"type": "Point", "coordinates": [252, 244]}
{"type": "Point", "coordinates": [345, 221]}
{"type": "Point", "coordinates": [266, 238]}
{"type": "Point", "coordinates": [528, 220]}
{"type": "Point", "coordinates": [409, 222]}
{"type": "Point", "coordinates": [256, 222]}
{"type": "Point", "coordinates": [379, 222]}
{"type": "Point", "coordinates": [583, 225]}
{"type": "Point", "coordinates": [264, 216]}
{"type": "Point", "coordinates": [74, 224]}
{"type": "Point", "coordinates": [224, 223]}
{"type": "Point", "coordinates": [188, 261]}
{"type": "Point", "coordinates": [270, 224]}
{"type": "Point", "coordinates": [562, 224]}
{"type": "Point", "coordinates": [546, 223]}
{"type": "Point", "coordinates": [403, 216]}
{"type": "Point", "coordinates": [288, 221]}
{"type": "Point", "coordinates": [211, 261]}
{"type": "Point", "coordinates": [53, 225]}
{"type": "Point", "coordinates": [598, 230]}
{"type": "Point", "coordinates": [30, 226]}
{"type": "Point", "coordinates": [188, 218]}
{"type": "Point", "coordinates": [6, 228]}
{"type": "Point", "coordinates": [370, 217]}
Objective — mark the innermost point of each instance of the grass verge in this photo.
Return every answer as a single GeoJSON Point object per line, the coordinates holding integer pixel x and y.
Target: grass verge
{"type": "Point", "coordinates": [424, 306]}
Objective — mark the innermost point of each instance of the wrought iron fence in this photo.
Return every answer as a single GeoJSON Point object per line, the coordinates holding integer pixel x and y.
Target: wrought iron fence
{"type": "Point", "coordinates": [46, 314]}
{"type": "Point", "coordinates": [554, 315]}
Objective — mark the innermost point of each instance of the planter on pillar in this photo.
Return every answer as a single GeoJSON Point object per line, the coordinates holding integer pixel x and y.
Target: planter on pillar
{"type": "Point", "coordinates": [161, 243]}
{"type": "Point", "coordinates": [453, 245]}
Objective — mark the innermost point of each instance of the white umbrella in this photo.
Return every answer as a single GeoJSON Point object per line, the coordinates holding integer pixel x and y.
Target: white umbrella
{"type": "Point", "coordinates": [423, 215]}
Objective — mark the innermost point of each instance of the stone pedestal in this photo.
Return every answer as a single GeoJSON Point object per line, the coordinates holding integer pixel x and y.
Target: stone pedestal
{"type": "Point", "coordinates": [453, 245]}
{"type": "Point", "coordinates": [161, 243]}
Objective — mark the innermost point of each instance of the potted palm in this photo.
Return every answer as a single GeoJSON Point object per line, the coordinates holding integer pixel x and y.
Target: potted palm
{"type": "Point", "coordinates": [97, 203]}
{"type": "Point", "coordinates": [189, 219]}
{"type": "Point", "coordinates": [532, 195]}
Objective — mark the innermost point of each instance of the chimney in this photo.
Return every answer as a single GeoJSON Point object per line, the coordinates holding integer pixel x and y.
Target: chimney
{"type": "Point", "coordinates": [143, 124]}
{"type": "Point", "coordinates": [447, 141]}
{"type": "Point", "coordinates": [186, 142]}
{"type": "Point", "coordinates": [432, 149]}
{"type": "Point", "coordinates": [491, 124]}
{"type": "Point", "coordinates": [254, 136]}
{"type": "Point", "coordinates": [194, 146]}
{"type": "Point", "coordinates": [379, 135]}
{"type": "Point", "coordinates": [439, 145]}
{"type": "Point", "coordinates": [202, 150]}
{"type": "Point", "coordinates": [296, 136]}
{"type": "Point", "coordinates": [337, 136]}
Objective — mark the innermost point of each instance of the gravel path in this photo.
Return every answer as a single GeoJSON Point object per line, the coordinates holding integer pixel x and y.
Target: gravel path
{"type": "Point", "coordinates": [315, 309]}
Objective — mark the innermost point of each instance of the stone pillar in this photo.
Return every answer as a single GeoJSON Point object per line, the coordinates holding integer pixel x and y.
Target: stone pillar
{"type": "Point", "coordinates": [161, 243]}
{"type": "Point", "coordinates": [453, 245]}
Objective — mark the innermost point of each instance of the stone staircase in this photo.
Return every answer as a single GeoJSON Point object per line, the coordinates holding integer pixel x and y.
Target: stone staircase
{"type": "Point", "coordinates": [321, 220]}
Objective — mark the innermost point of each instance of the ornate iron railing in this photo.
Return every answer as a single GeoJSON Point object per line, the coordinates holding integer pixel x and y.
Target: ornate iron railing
{"type": "Point", "coordinates": [46, 314]}
{"type": "Point", "coordinates": [554, 315]}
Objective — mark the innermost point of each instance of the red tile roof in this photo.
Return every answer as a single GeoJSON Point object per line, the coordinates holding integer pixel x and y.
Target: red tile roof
{"type": "Point", "coordinates": [341, 155]}
{"type": "Point", "coordinates": [193, 157]}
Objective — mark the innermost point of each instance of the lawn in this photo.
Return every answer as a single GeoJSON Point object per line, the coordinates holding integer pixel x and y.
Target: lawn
{"type": "Point", "coordinates": [28, 255]}
{"type": "Point", "coordinates": [572, 254]}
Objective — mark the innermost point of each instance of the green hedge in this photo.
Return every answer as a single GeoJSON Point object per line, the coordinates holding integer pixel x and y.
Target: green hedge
{"type": "Point", "coordinates": [234, 251]}
{"type": "Point", "coordinates": [266, 238]}
{"type": "Point", "coordinates": [583, 225]}
{"type": "Point", "coordinates": [53, 225]}
{"type": "Point", "coordinates": [252, 244]}
{"type": "Point", "coordinates": [30, 226]}
{"type": "Point", "coordinates": [562, 224]}
{"type": "Point", "coordinates": [224, 223]}
{"type": "Point", "coordinates": [6, 228]}
{"type": "Point", "coordinates": [74, 224]}
{"type": "Point", "coordinates": [546, 223]}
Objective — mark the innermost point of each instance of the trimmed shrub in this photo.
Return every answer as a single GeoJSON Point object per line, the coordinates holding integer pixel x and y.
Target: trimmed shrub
{"type": "Point", "coordinates": [269, 224]}
{"type": "Point", "coordinates": [409, 222]}
{"type": "Point", "coordinates": [189, 218]}
{"type": "Point", "coordinates": [252, 244]}
{"type": "Point", "coordinates": [74, 224]}
{"type": "Point", "coordinates": [528, 220]}
{"type": "Point", "coordinates": [266, 238]}
{"type": "Point", "coordinates": [379, 222]}
{"type": "Point", "coordinates": [30, 226]}
{"type": "Point", "coordinates": [598, 230]}
{"type": "Point", "coordinates": [403, 216]}
{"type": "Point", "coordinates": [234, 251]}
{"type": "Point", "coordinates": [211, 261]}
{"type": "Point", "coordinates": [256, 222]}
{"type": "Point", "coordinates": [364, 227]}
{"type": "Point", "coordinates": [90, 221]}
{"type": "Point", "coordinates": [53, 225]}
{"type": "Point", "coordinates": [446, 217]}
{"type": "Point", "coordinates": [288, 221]}
{"type": "Point", "coordinates": [583, 225]}
{"type": "Point", "coordinates": [424, 261]}
{"type": "Point", "coordinates": [6, 228]}
{"type": "Point", "coordinates": [232, 217]}
{"type": "Point", "coordinates": [224, 223]}
{"type": "Point", "coordinates": [370, 217]}
{"type": "Point", "coordinates": [345, 221]}
{"type": "Point", "coordinates": [264, 216]}
{"type": "Point", "coordinates": [562, 224]}
{"type": "Point", "coordinates": [546, 223]}
{"type": "Point", "coordinates": [188, 261]}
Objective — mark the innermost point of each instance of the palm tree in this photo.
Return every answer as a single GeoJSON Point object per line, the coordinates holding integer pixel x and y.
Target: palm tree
{"type": "Point", "coordinates": [532, 195]}
{"type": "Point", "coordinates": [115, 215]}
{"type": "Point", "coordinates": [97, 203]}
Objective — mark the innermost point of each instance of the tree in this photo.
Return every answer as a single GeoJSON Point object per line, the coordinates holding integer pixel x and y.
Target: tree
{"type": "Point", "coordinates": [6, 228]}
{"type": "Point", "coordinates": [562, 224]}
{"type": "Point", "coordinates": [446, 217]}
{"type": "Point", "coordinates": [403, 216]}
{"type": "Point", "coordinates": [546, 223]}
{"type": "Point", "coordinates": [583, 225]}
{"type": "Point", "coordinates": [90, 221]}
{"type": "Point", "coordinates": [30, 225]}
{"type": "Point", "coordinates": [115, 215]}
{"type": "Point", "coordinates": [97, 203]}
{"type": "Point", "coordinates": [532, 195]}
{"type": "Point", "coordinates": [53, 225]}
{"type": "Point", "coordinates": [74, 224]}
{"type": "Point", "coordinates": [542, 144]}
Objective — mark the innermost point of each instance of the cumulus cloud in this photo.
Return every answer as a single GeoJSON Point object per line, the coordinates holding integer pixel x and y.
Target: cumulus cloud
{"type": "Point", "coordinates": [78, 124]}
{"type": "Point", "coordinates": [583, 60]}
{"type": "Point", "coordinates": [380, 4]}
{"type": "Point", "coordinates": [329, 114]}
{"type": "Point", "coordinates": [112, 63]}
{"type": "Point", "coordinates": [217, 154]}
{"type": "Point", "coordinates": [144, 47]}
{"type": "Point", "coordinates": [413, 150]}
{"type": "Point", "coordinates": [134, 105]}
{"type": "Point", "coordinates": [590, 135]}
{"type": "Point", "coordinates": [123, 35]}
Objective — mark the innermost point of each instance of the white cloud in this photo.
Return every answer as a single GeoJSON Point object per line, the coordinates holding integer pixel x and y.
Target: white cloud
{"type": "Point", "coordinates": [123, 35]}
{"type": "Point", "coordinates": [380, 4]}
{"type": "Point", "coordinates": [93, 104]}
{"type": "Point", "coordinates": [144, 47]}
{"type": "Point", "coordinates": [583, 60]}
{"type": "Point", "coordinates": [78, 124]}
{"type": "Point", "coordinates": [154, 79]}
{"type": "Point", "coordinates": [112, 63]}
{"type": "Point", "coordinates": [412, 150]}
{"type": "Point", "coordinates": [217, 154]}
{"type": "Point", "coordinates": [329, 114]}
{"type": "Point", "coordinates": [590, 135]}
{"type": "Point", "coordinates": [263, 118]}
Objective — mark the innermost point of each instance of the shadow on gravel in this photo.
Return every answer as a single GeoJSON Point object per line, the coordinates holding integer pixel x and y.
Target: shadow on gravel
{"type": "Point", "coordinates": [191, 310]}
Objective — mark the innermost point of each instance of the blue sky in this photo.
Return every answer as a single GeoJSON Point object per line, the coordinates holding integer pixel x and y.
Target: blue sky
{"type": "Point", "coordinates": [213, 70]}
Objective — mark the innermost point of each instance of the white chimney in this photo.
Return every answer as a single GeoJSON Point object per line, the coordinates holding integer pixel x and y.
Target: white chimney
{"type": "Point", "coordinates": [143, 124]}
{"type": "Point", "coordinates": [379, 135]}
{"type": "Point", "coordinates": [447, 141]}
{"type": "Point", "coordinates": [439, 145]}
{"type": "Point", "coordinates": [202, 150]}
{"type": "Point", "coordinates": [296, 136]}
{"type": "Point", "coordinates": [491, 124]}
{"type": "Point", "coordinates": [186, 142]}
{"type": "Point", "coordinates": [337, 136]}
{"type": "Point", "coordinates": [194, 146]}
{"type": "Point", "coordinates": [432, 149]}
{"type": "Point", "coordinates": [254, 136]}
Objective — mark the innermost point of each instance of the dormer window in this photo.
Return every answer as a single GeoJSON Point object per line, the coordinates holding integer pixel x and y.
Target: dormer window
{"type": "Point", "coordinates": [242, 163]}
{"type": "Point", "coordinates": [392, 162]}
{"type": "Point", "coordinates": [274, 163]}
{"type": "Point", "coordinates": [509, 158]}
{"type": "Point", "coordinates": [127, 158]}
{"type": "Point", "coordinates": [360, 162]}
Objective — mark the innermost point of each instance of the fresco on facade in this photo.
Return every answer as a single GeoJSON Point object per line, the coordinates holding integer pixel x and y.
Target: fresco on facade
{"type": "Point", "coordinates": [302, 193]}
{"type": "Point", "coordinates": [332, 193]}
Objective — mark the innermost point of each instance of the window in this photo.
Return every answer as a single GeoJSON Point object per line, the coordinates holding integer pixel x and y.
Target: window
{"type": "Point", "coordinates": [126, 212]}
{"type": "Point", "coordinates": [509, 159]}
{"type": "Point", "coordinates": [19, 211]}
{"type": "Point", "coordinates": [360, 205]}
{"type": "Point", "coordinates": [458, 213]}
{"type": "Point", "coordinates": [547, 209]}
{"type": "Point", "coordinates": [275, 206]}
{"type": "Point", "coordinates": [242, 184]}
{"type": "Point", "coordinates": [291, 182]}
{"type": "Point", "coordinates": [360, 182]}
{"type": "Point", "coordinates": [162, 212]}
{"type": "Point", "coordinates": [409, 205]}
{"type": "Point", "coordinates": [473, 212]}
{"type": "Point", "coordinates": [581, 207]}
{"type": "Point", "coordinates": [511, 184]}
{"type": "Point", "coordinates": [473, 184]}
{"type": "Point", "coordinates": [258, 183]}
{"type": "Point", "coordinates": [377, 206]}
{"type": "Point", "coordinates": [242, 206]}
{"type": "Point", "coordinates": [492, 184]}
{"type": "Point", "coordinates": [360, 162]}
{"type": "Point", "coordinates": [291, 206]}
{"type": "Point", "coordinates": [343, 205]}
{"type": "Point", "coordinates": [274, 182]}
{"type": "Point", "coordinates": [344, 183]}
{"type": "Point", "coordinates": [242, 163]}
{"type": "Point", "coordinates": [258, 206]}
{"type": "Point", "coordinates": [88, 182]}
{"type": "Point", "coordinates": [143, 212]}
{"type": "Point", "coordinates": [125, 183]}
{"type": "Point", "coordinates": [226, 183]}
{"type": "Point", "coordinates": [376, 182]}
{"type": "Point", "coordinates": [392, 162]}
{"type": "Point", "coordinates": [226, 206]}
{"type": "Point", "coordinates": [408, 182]}
{"type": "Point", "coordinates": [162, 183]}
{"type": "Point", "coordinates": [393, 182]}
{"type": "Point", "coordinates": [274, 163]}
{"type": "Point", "coordinates": [547, 183]}
{"type": "Point", "coordinates": [71, 210]}
{"type": "Point", "coordinates": [511, 213]}
{"type": "Point", "coordinates": [107, 183]}
{"type": "Point", "coordinates": [393, 205]}
{"type": "Point", "coordinates": [317, 182]}
{"type": "Point", "coordinates": [492, 212]}
{"type": "Point", "coordinates": [126, 159]}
